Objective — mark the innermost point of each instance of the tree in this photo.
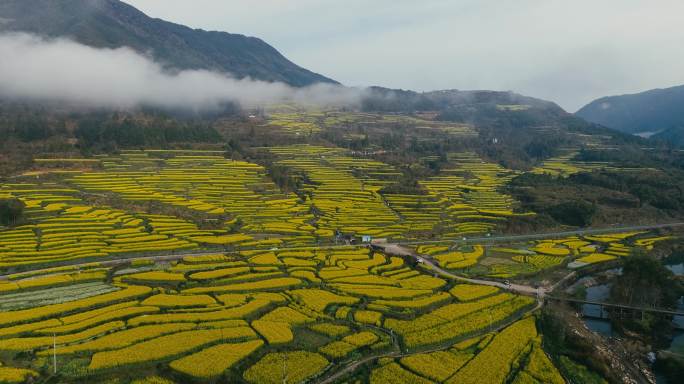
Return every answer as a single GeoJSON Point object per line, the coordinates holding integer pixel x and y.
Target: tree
{"type": "Point", "coordinates": [646, 282]}
{"type": "Point", "coordinates": [578, 213]}
{"type": "Point", "coordinates": [11, 211]}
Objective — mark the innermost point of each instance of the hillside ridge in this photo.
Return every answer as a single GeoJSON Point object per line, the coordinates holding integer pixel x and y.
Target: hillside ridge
{"type": "Point", "coordinates": [112, 24]}
{"type": "Point", "coordinates": [652, 111]}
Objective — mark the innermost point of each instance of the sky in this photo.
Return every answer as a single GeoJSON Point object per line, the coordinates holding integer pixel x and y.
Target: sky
{"type": "Point", "coordinates": [570, 52]}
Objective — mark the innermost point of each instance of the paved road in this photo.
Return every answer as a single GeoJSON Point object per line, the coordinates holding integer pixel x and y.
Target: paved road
{"type": "Point", "coordinates": [549, 235]}
{"type": "Point", "coordinates": [157, 258]}
{"type": "Point", "coordinates": [394, 248]}
{"type": "Point", "coordinates": [119, 261]}
{"type": "Point", "coordinates": [400, 250]}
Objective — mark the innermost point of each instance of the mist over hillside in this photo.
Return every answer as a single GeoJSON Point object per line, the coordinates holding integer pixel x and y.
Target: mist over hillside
{"type": "Point", "coordinates": [43, 69]}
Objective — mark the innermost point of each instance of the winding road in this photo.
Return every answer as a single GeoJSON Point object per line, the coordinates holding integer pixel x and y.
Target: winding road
{"type": "Point", "coordinates": [399, 249]}
{"type": "Point", "coordinates": [425, 261]}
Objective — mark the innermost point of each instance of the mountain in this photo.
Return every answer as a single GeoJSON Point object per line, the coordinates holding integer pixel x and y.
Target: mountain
{"type": "Point", "coordinates": [647, 112]}
{"type": "Point", "coordinates": [112, 24]}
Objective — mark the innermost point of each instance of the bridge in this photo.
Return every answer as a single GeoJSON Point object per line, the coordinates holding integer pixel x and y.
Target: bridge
{"type": "Point", "coordinates": [621, 307]}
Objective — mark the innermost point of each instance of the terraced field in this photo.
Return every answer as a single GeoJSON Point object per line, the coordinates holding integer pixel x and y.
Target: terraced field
{"type": "Point", "coordinates": [475, 203]}
{"type": "Point", "coordinates": [463, 200]}
{"type": "Point", "coordinates": [487, 359]}
{"type": "Point", "coordinates": [175, 200]}
{"type": "Point", "coordinates": [566, 164]}
{"type": "Point", "coordinates": [343, 190]}
{"type": "Point", "coordinates": [306, 122]}
{"type": "Point", "coordinates": [174, 266]}
{"type": "Point", "coordinates": [247, 312]}
{"type": "Point", "coordinates": [504, 261]}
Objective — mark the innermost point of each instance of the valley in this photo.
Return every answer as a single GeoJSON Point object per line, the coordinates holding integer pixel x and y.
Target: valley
{"type": "Point", "coordinates": [299, 262]}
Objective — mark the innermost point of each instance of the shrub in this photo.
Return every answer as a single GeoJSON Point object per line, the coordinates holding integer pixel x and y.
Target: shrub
{"type": "Point", "coordinates": [11, 211]}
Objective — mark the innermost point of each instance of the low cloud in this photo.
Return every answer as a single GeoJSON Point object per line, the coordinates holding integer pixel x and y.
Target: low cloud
{"type": "Point", "coordinates": [60, 70]}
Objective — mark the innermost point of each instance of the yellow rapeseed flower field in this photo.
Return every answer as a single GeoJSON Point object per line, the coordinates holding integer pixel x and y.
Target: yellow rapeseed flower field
{"type": "Point", "coordinates": [165, 347]}
{"type": "Point", "coordinates": [213, 361]}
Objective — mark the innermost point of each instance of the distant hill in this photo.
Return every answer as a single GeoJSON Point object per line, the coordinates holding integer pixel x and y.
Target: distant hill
{"type": "Point", "coordinates": [652, 111]}
{"type": "Point", "coordinates": [500, 113]}
{"type": "Point", "coordinates": [112, 23]}
{"type": "Point", "coordinates": [514, 129]}
{"type": "Point", "coordinates": [392, 100]}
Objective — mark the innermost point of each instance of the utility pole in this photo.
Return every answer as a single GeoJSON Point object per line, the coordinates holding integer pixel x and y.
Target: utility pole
{"type": "Point", "coordinates": [284, 369]}
{"type": "Point", "coordinates": [54, 352]}
{"type": "Point", "coordinates": [491, 319]}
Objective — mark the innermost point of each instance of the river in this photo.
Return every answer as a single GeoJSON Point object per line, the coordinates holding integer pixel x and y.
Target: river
{"type": "Point", "coordinates": [597, 318]}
